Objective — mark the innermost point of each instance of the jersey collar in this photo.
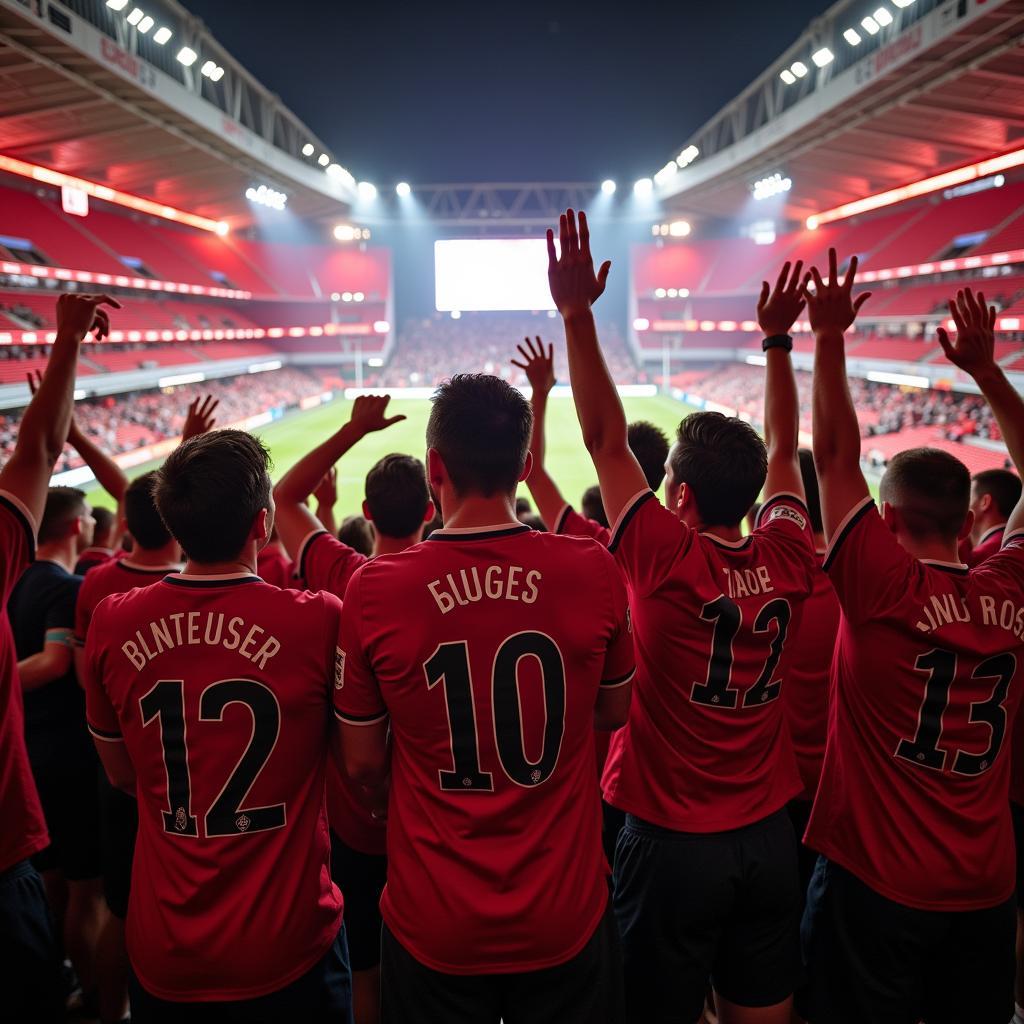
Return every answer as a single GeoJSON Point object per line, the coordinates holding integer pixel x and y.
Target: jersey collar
{"type": "Point", "coordinates": [935, 563]}
{"type": "Point", "coordinates": [229, 579]}
{"type": "Point", "coordinates": [989, 534]}
{"type": "Point", "coordinates": [459, 533]}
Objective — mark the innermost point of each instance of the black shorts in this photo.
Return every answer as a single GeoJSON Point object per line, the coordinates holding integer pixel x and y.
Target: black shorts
{"type": "Point", "coordinates": [361, 878]}
{"type": "Point", "coordinates": [584, 990]}
{"type": "Point", "coordinates": [323, 995]}
{"type": "Point", "coordinates": [30, 957]}
{"type": "Point", "coordinates": [799, 814]}
{"type": "Point", "coordinates": [871, 959]}
{"type": "Point", "coordinates": [612, 820]}
{"type": "Point", "coordinates": [1018, 834]}
{"type": "Point", "coordinates": [119, 819]}
{"type": "Point", "coordinates": [67, 769]}
{"type": "Point", "coordinates": [724, 906]}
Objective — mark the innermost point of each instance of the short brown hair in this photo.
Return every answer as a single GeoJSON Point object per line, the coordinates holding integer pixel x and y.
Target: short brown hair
{"type": "Point", "coordinates": [397, 495]}
{"type": "Point", "coordinates": [63, 506]}
{"type": "Point", "coordinates": [931, 489]}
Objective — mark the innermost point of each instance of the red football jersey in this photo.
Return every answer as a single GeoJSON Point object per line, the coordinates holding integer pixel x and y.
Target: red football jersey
{"type": "Point", "coordinates": [328, 564]}
{"type": "Point", "coordinates": [571, 523]}
{"type": "Point", "coordinates": [220, 688]}
{"type": "Point", "coordinates": [273, 566]}
{"type": "Point", "coordinates": [805, 699]}
{"type": "Point", "coordinates": [488, 654]}
{"type": "Point", "coordinates": [115, 576]}
{"type": "Point", "coordinates": [990, 543]}
{"type": "Point", "coordinates": [706, 747]}
{"type": "Point", "coordinates": [925, 682]}
{"type": "Point", "coordinates": [24, 827]}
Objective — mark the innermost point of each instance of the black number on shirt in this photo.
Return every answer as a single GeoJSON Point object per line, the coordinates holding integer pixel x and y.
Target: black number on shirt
{"type": "Point", "coordinates": [225, 817]}
{"type": "Point", "coordinates": [941, 667]}
{"type": "Point", "coordinates": [450, 664]}
{"type": "Point", "coordinates": [728, 617]}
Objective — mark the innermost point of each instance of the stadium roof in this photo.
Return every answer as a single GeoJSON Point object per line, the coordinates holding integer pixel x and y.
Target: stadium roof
{"type": "Point", "coordinates": [99, 99]}
{"type": "Point", "coordinates": [938, 86]}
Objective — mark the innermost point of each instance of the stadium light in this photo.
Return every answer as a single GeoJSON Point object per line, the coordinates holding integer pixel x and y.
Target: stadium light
{"type": "Point", "coordinates": [902, 3]}
{"type": "Point", "coordinates": [823, 57]}
{"type": "Point", "coordinates": [218, 74]}
{"type": "Point", "coordinates": [345, 233]}
{"type": "Point", "coordinates": [643, 188]}
{"type": "Point", "coordinates": [358, 297]}
{"type": "Point", "coordinates": [641, 323]}
{"type": "Point", "coordinates": [337, 171]}
{"type": "Point", "coordinates": [308, 149]}
{"type": "Point", "coordinates": [456, 315]}
{"type": "Point", "coordinates": [135, 16]}
{"type": "Point", "coordinates": [187, 56]}
{"type": "Point", "coordinates": [679, 228]}
{"type": "Point", "coordinates": [161, 35]}
{"type": "Point", "coordinates": [773, 185]}
{"type": "Point", "coordinates": [608, 187]}
{"type": "Point", "coordinates": [403, 190]}
{"type": "Point", "coordinates": [208, 68]}
{"type": "Point", "coordinates": [799, 68]}
{"type": "Point", "coordinates": [669, 171]}
{"type": "Point", "coordinates": [672, 293]}
{"type": "Point", "coordinates": [687, 156]}
{"type": "Point", "coordinates": [323, 159]}
{"type": "Point", "coordinates": [852, 36]}
{"type": "Point", "coordinates": [346, 296]}
{"type": "Point", "coordinates": [367, 190]}
{"type": "Point", "coordinates": [117, 5]}
{"type": "Point", "coordinates": [146, 24]}
{"type": "Point", "coordinates": [870, 24]}
{"type": "Point", "coordinates": [787, 76]}
{"type": "Point", "coordinates": [883, 17]}
{"type": "Point", "coordinates": [266, 196]}
{"type": "Point", "coordinates": [660, 293]}
{"type": "Point", "coordinates": [381, 327]}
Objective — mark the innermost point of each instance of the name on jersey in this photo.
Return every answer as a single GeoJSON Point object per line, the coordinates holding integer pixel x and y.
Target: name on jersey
{"type": "Point", "coordinates": [945, 609]}
{"type": "Point", "coordinates": [495, 583]}
{"type": "Point", "coordinates": [193, 629]}
{"type": "Point", "coordinates": [748, 582]}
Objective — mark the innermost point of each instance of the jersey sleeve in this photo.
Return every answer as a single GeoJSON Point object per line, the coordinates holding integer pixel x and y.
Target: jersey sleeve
{"type": "Point", "coordinates": [357, 697]}
{"type": "Point", "coordinates": [571, 524]}
{"type": "Point", "coordinates": [1005, 569]}
{"type": "Point", "coordinates": [83, 610]}
{"type": "Point", "coordinates": [99, 712]}
{"type": "Point", "coordinates": [785, 520]}
{"type": "Point", "coordinates": [647, 540]}
{"type": "Point", "coordinates": [17, 541]}
{"type": "Point", "coordinates": [868, 568]}
{"type": "Point", "coordinates": [327, 564]}
{"type": "Point", "coordinates": [620, 658]}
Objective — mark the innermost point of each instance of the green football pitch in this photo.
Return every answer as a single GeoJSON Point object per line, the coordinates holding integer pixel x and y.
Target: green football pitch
{"type": "Point", "coordinates": [290, 438]}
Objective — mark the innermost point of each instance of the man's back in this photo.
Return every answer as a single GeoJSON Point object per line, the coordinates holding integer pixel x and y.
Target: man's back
{"type": "Point", "coordinates": [706, 747]}
{"type": "Point", "coordinates": [926, 681]}
{"type": "Point", "coordinates": [219, 686]}
{"type": "Point", "coordinates": [487, 649]}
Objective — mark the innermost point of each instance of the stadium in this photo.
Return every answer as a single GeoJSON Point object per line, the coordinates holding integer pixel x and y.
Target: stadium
{"type": "Point", "coordinates": [249, 259]}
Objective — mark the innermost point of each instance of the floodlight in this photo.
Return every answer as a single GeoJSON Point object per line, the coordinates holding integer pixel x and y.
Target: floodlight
{"type": "Point", "coordinates": [660, 293]}
{"type": "Point", "coordinates": [787, 76]}
{"type": "Point", "coordinates": [684, 293]}
{"type": "Point", "coordinates": [608, 187]}
{"type": "Point", "coordinates": [823, 57]}
{"type": "Point", "coordinates": [852, 36]}
{"type": "Point", "coordinates": [307, 149]}
{"type": "Point", "coordinates": [902, 3]}
{"type": "Point", "coordinates": [358, 296]}
{"type": "Point", "coordinates": [641, 323]}
{"type": "Point", "coordinates": [799, 68]}
{"type": "Point", "coordinates": [161, 35]}
{"type": "Point", "coordinates": [870, 24]}
{"type": "Point", "coordinates": [456, 315]}
{"type": "Point", "coordinates": [672, 293]}
{"type": "Point", "coordinates": [679, 228]}
{"type": "Point", "coordinates": [367, 190]}
{"type": "Point", "coordinates": [187, 56]}
{"type": "Point", "coordinates": [335, 296]}
{"type": "Point", "coordinates": [218, 74]}
{"type": "Point", "coordinates": [208, 68]}
{"type": "Point", "coordinates": [146, 24]}
{"type": "Point", "coordinates": [687, 156]}
{"type": "Point", "coordinates": [323, 160]}
{"type": "Point", "coordinates": [403, 190]}
{"type": "Point", "coordinates": [883, 17]}
{"type": "Point", "coordinates": [117, 5]}
{"type": "Point", "coordinates": [345, 233]}
{"type": "Point", "coordinates": [643, 188]}
{"type": "Point", "coordinates": [136, 15]}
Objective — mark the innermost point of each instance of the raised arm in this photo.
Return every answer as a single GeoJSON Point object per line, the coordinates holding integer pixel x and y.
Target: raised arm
{"type": "Point", "coordinates": [44, 425]}
{"type": "Point", "coordinates": [832, 309]}
{"type": "Point", "coordinates": [575, 288]}
{"type": "Point", "coordinates": [540, 372]}
{"type": "Point", "coordinates": [777, 311]}
{"type": "Point", "coordinates": [973, 351]}
{"type": "Point", "coordinates": [200, 418]}
{"type": "Point", "coordinates": [294, 520]}
{"type": "Point", "coordinates": [326, 495]}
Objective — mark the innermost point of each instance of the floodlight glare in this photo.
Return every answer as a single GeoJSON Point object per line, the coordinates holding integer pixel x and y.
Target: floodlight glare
{"type": "Point", "coordinates": [787, 76]}
{"type": "Point", "coordinates": [187, 56]}
{"type": "Point", "coordinates": [672, 293]}
{"type": "Point", "coordinates": [643, 188]}
{"type": "Point", "coordinates": [773, 185]}
{"type": "Point", "coordinates": [608, 187]}
{"type": "Point", "coordinates": [403, 190]}
{"type": "Point", "coordinates": [307, 149]}
{"type": "Point", "coordinates": [883, 17]}
{"type": "Point", "coordinates": [146, 24]}
{"type": "Point", "coordinates": [367, 190]}
{"type": "Point", "coordinates": [136, 15]}
{"type": "Point", "coordinates": [323, 160]}
{"type": "Point", "coordinates": [679, 228]}
{"type": "Point", "coordinates": [358, 296]}
{"type": "Point", "coordinates": [852, 36]}
{"type": "Point", "coordinates": [218, 74]}
{"type": "Point", "coordinates": [659, 293]}
{"type": "Point", "coordinates": [208, 68]}
{"type": "Point", "coordinates": [799, 68]}
{"type": "Point", "coordinates": [345, 233]}
{"type": "Point", "coordinates": [823, 57]}
{"type": "Point", "coordinates": [267, 197]}
{"type": "Point", "coordinates": [117, 5]}
{"type": "Point", "coordinates": [870, 24]}
{"type": "Point", "coordinates": [162, 35]}
{"type": "Point", "coordinates": [902, 3]}
{"type": "Point", "coordinates": [687, 156]}
{"type": "Point", "coordinates": [335, 296]}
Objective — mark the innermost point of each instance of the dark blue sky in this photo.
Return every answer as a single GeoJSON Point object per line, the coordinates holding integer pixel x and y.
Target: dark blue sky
{"type": "Point", "coordinates": [518, 91]}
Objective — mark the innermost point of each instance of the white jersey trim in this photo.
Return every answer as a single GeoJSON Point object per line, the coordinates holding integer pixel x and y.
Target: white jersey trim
{"type": "Point", "coordinates": [20, 506]}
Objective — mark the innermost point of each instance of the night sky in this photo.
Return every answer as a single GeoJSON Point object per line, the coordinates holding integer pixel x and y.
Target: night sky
{"type": "Point", "coordinates": [557, 91]}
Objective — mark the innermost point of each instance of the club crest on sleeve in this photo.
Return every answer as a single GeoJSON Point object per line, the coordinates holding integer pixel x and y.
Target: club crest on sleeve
{"type": "Point", "coordinates": [339, 668]}
{"type": "Point", "coordinates": [787, 512]}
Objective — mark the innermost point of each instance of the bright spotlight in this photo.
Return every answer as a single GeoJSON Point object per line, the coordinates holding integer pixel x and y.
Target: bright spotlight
{"type": "Point", "coordinates": [823, 57]}
{"type": "Point", "coordinates": [852, 36]}
{"type": "Point", "coordinates": [787, 76]}
{"type": "Point", "coordinates": [660, 293]}
{"type": "Point", "coordinates": [266, 196]}
{"type": "Point", "coordinates": [307, 149]}
{"type": "Point", "coordinates": [136, 15]}
{"type": "Point", "coordinates": [669, 171]}
{"type": "Point", "coordinates": [883, 17]}
{"type": "Point", "coordinates": [687, 156]}
{"type": "Point", "coordinates": [608, 187]}
{"type": "Point", "coordinates": [146, 24]}
{"type": "Point", "coordinates": [643, 188]}
{"type": "Point", "coordinates": [679, 228]}
{"type": "Point", "coordinates": [358, 296]}
{"type": "Point", "coordinates": [222, 228]}
{"type": "Point", "coordinates": [381, 327]}
{"type": "Point", "coordinates": [902, 3]}
{"type": "Point", "coordinates": [335, 296]}
{"type": "Point", "coordinates": [187, 56]}
{"type": "Point", "coordinates": [870, 25]}
{"type": "Point", "coordinates": [345, 233]}
{"type": "Point", "coordinates": [403, 190]}
{"type": "Point", "coordinates": [208, 68]}
{"type": "Point", "coordinates": [346, 296]}
{"type": "Point", "coordinates": [684, 293]}
{"type": "Point", "coordinates": [773, 185]}
{"type": "Point", "coordinates": [161, 35]}
{"type": "Point", "coordinates": [641, 323]}
{"type": "Point", "coordinates": [218, 74]}
{"type": "Point", "coordinates": [117, 5]}
{"type": "Point", "coordinates": [339, 172]}
{"type": "Point", "coordinates": [799, 68]}
{"type": "Point", "coordinates": [367, 190]}
{"type": "Point", "coordinates": [456, 315]}
{"type": "Point", "coordinates": [323, 159]}
{"type": "Point", "coordinates": [672, 293]}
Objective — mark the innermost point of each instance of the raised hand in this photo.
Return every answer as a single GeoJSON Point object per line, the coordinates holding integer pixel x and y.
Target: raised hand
{"type": "Point", "coordinates": [200, 418]}
{"type": "Point", "coordinates": [78, 315]}
{"type": "Point", "coordinates": [778, 309]}
{"type": "Point", "coordinates": [574, 285]}
{"type": "Point", "coordinates": [832, 307]}
{"type": "Point", "coordinates": [538, 365]}
{"type": "Point", "coordinates": [369, 413]}
{"type": "Point", "coordinates": [326, 492]}
{"type": "Point", "coordinates": [973, 351]}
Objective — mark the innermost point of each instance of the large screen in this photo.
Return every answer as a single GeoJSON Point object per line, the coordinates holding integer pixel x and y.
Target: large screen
{"type": "Point", "coordinates": [491, 274]}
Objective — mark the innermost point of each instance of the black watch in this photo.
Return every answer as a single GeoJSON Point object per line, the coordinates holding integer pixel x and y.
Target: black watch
{"type": "Point", "coordinates": [777, 341]}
